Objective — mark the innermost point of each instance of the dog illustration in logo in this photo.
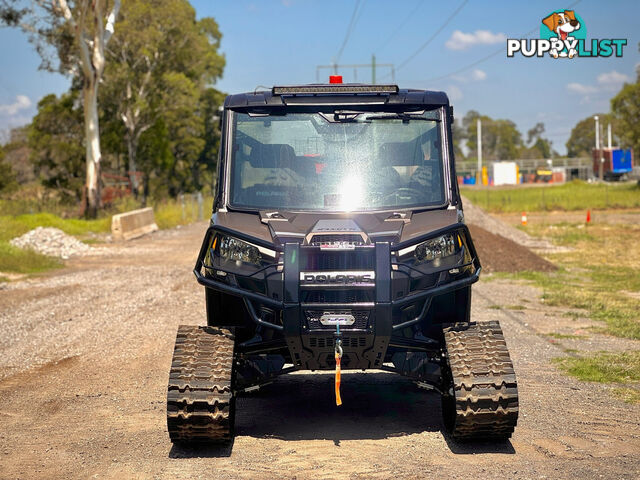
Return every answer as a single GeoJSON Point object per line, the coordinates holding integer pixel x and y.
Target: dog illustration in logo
{"type": "Point", "coordinates": [562, 24]}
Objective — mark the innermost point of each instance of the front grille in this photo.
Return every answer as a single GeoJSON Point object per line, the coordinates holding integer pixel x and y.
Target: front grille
{"type": "Point", "coordinates": [336, 296]}
{"type": "Point", "coordinates": [348, 341]}
{"type": "Point", "coordinates": [334, 261]}
{"type": "Point", "coordinates": [361, 320]}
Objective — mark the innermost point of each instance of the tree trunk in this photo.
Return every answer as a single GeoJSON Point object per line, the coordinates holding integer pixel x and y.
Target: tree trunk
{"type": "Point", "coordinates": [93, 154]}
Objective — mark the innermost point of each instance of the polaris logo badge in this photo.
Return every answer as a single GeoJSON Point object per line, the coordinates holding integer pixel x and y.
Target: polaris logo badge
{"type": "Point", "coordinates": [338, 278]}
{"type": "Point", "coordinates": [337, 319]}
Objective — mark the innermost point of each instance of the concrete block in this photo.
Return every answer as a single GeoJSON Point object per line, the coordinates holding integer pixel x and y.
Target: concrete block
{"type": "Point", "coordinates": [133, 224]}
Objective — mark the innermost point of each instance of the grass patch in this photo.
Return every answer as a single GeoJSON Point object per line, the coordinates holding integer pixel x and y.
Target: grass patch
{"type": "Point", "coordinates": [14, 226]}
{"type": "Point", "coordinates": [17, 260]}
{"type": "Point", "coordinates": [173, 213]}
{"type": "Point", "coordinates": [14, 259]}
{"type": "Point", "coordinates": [576, 195]}
{"type": "Point", "coordinates": [594, 276]}
{"type": "Point", "coordinates": [603, 367]}
{"type": "Point", "coordinates": [515, 307]}
{"type": "Point", "coordinates": [563, 336]}
{"type": "Point", "coordinates": [628, 395]}
{"type": "Point", "coordinates": [495, 307]}
{"type": "Point", "coordinates": [561, 233]}
{"type": "Point", "coordinates": [168, 214]}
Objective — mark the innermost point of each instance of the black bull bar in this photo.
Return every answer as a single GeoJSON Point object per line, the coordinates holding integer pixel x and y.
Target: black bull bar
{"type": "Point", "coordinates": [288, 302]}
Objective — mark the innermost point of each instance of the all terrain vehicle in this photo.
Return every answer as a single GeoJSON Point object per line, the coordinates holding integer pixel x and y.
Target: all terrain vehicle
{"type": "Point", "coordinates": [338, 241]}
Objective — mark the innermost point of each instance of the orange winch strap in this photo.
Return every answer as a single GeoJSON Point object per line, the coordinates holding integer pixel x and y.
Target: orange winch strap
{"type": "Point", "coordinates": [338, 399]}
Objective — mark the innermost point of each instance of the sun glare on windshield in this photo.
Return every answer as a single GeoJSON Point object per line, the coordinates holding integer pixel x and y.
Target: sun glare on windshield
{"type": "Point", "coordinates": [343, 162]}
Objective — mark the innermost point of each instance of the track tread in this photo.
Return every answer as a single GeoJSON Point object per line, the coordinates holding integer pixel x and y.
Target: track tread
{"type": "Point", "coordinates": [200, 400]}
{"type": "Point", "coordinates": [483, 381]}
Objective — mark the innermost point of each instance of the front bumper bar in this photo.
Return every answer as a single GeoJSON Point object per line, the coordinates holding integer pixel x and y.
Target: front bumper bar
{"type": "Point", "coordinates": [287, 300]}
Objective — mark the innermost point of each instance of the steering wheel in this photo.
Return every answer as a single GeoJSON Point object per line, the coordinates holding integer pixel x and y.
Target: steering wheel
{"type": "Point", "coordinates": [413, 193]}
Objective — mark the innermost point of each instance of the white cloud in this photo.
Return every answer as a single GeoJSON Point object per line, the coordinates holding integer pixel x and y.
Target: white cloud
{"type": "Point", "coordinates": [475, 76]}
{"type": "Point", "coordinates": [478, 75]}
{"type": "Point", "coordinates": [580, 88]}
{"type": "Point", "coordinates": [22, 103]}
{"type": "Point", "coordinates": [613, 78]}
{"type": "Point", "coordinates": [606, 83]}
{"type": "Point", "coordinates": [461, 41]}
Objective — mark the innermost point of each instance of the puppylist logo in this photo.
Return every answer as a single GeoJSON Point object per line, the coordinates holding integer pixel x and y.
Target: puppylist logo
{"type": "Point", "coordinates": [563, 34]}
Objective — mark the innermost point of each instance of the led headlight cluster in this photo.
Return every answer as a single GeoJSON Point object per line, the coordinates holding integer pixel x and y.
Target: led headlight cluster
{"type": "Point", "coordinates": [435, 248]}
{"type": "Point", "coordinates": [236, 250]}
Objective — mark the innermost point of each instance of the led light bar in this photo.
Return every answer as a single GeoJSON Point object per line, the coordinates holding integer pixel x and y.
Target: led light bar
{"type": "Point", "coordinates": [334, 88]}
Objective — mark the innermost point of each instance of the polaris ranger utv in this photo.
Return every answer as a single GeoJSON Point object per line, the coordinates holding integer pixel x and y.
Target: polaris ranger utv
{"type": "Point", "coordinates": [338, 241]}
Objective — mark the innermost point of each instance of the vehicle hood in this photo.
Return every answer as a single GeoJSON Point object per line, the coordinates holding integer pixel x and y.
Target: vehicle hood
{"type": "Point", "coordinates": [284, 227]}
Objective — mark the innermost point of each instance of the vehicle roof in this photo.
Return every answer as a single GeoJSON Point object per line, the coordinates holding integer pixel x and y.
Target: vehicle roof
{"type": "Point", "coordinates": [267, 98]}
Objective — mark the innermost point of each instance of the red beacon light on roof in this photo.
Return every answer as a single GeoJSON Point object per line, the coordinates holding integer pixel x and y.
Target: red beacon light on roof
{"type": "Point", "coordinates": [335, 78]}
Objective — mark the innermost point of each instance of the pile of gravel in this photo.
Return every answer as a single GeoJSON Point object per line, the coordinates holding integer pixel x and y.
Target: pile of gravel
{"type": "Point", "coordinates": [51, 241]}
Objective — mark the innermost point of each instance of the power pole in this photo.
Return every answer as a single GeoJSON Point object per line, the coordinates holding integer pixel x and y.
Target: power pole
{"type": "Point", "coordinates": [479, 129]}
{"type": "Point", "coordinates": [598, 154]}
{"type": "Point", "coordinates": [609, 134]}
{"type": "Point", "coordinates": [601, 150]}
{"type": "Point", "coordinates": [373, 69]}
{"type": "Point", "coordinates": [374, 66]}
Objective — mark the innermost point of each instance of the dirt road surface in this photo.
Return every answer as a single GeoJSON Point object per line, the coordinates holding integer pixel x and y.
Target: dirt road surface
{"type": "Point", "coordinates": [85, 360]}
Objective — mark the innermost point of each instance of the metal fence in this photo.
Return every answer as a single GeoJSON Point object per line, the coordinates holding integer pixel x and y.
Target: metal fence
{"type": "Point", "coordinates": [575, 168]}
{"type": "Point", "coordinates": [192, 206]}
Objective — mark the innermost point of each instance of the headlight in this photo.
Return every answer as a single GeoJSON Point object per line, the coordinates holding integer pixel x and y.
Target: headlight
{"type": "Point", "coordinates": [436, 248]}
{"type": "Point", "coordinates": [236, 250]}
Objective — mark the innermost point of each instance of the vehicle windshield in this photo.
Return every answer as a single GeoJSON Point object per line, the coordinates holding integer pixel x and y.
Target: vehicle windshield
{"type": "Point", "coordinates": [338, 161]}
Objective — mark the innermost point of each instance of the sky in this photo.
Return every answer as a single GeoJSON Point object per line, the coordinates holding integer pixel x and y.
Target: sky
{"type": "Point", "coordinates": [456, 46]}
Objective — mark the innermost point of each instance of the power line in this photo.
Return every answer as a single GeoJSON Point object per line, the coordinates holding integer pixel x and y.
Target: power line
{"type": "Point", "coordinates": [402, 24]}
{"type": "Point", "coordinates": [435, 34]}
{"type": "Point", "coordinates": [352, 23]}
{"type": "Point", "coordinates": [493, 54]}
{"type": "Point", "coordinates": [360, 13]}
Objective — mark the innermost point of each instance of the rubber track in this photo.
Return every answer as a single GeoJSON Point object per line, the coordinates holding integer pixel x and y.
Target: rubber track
{"type": "Point", "coordinates": [484, 383]}
{"type": "Point", "coordinates": [200, 401]}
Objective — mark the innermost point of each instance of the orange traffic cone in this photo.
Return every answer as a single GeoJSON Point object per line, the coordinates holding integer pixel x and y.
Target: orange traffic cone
{"type": "Point", "coordinates": [588, 216]}
{"type": "Point", "coordinates": [524, 219]}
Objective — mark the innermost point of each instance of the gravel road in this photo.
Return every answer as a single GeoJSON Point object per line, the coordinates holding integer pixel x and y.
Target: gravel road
{"type": "Point", "coordinates": [84, 366]}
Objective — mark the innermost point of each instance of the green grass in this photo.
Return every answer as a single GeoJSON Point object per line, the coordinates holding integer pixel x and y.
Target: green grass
{"type": "Point", "coordinates": [576, 195]}
{"type": "Point", "coordinates": [17, 260]}
{"type": "Point", "coordinates": [628, 395]}
{"type": "Point", "coordinates": [603, 367]}
{"type": "Point", "coordinates": [585, 290]}
{"type": "Point", "coordinates": [14, 226]}
{"type": "Point", "coordinates": [168, 214]}
{"type": "Point", "coordinates": [600, 274]}
{"type": "Point", "coordinates": [171, 213]}
{"type": "Point", "coordinates": [515, 307]}
{"type": "Point", "coordinates": [562, 233]}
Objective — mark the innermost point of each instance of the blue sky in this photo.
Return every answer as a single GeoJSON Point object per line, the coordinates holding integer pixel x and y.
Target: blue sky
{"type": "Point", "coordinates": [271, 42]}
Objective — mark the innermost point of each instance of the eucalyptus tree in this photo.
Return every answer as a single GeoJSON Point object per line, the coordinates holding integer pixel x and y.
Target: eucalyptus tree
{"type": "Point", "coordinates": [75, 33]}
{"type": "Point", "coordinates": [160, 62]}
